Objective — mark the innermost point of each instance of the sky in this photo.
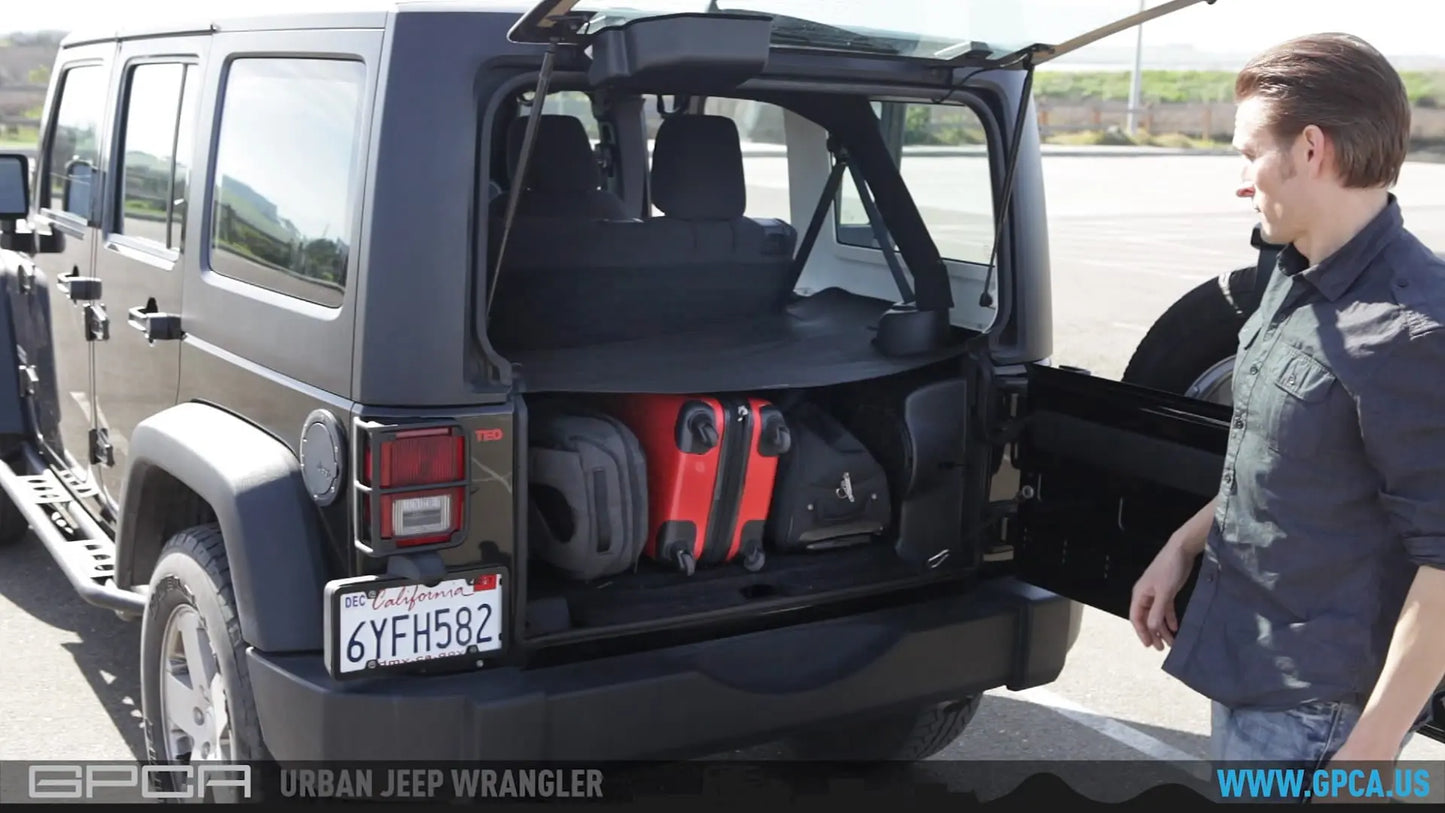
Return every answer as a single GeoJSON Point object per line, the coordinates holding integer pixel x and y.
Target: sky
{"type": "Point", "coordinates": [1396, 27]}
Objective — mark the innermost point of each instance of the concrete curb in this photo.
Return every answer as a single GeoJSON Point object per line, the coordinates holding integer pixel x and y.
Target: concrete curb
{"type": "Point", "coordinates": [1131, 152]}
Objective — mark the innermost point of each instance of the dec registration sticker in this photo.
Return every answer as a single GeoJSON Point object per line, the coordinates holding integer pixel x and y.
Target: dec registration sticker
{"type": "Point", "coordinates": [376, 625]}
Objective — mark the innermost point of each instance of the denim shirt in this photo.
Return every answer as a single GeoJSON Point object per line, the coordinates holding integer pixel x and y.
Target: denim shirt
{"type": "Point", "coordinates": [1333, 488]}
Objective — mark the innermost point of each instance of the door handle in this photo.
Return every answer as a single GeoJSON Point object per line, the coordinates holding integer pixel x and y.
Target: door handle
{"type": "Point", "coordinates": [155, 325]}
{"type": "Point", "coordinates": [78, 288]}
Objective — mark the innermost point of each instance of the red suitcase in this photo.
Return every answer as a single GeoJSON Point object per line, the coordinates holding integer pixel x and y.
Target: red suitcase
{"type": "Point", "coordinates": [710, 468]}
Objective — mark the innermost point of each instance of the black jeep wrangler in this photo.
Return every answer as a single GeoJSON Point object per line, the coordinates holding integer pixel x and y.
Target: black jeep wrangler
{"type": "Point", "coordinates": [578, 382]}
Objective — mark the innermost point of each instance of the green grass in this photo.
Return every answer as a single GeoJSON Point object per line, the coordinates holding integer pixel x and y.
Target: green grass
{"type": "Point", "coordinates": [19, 137]}
{"type": "Point", "coordinates": [1155, 86]}
{"type": "Point", "coordinates": [1426, 89]}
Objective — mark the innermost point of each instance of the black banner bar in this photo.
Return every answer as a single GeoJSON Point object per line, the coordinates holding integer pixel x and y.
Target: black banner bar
{"type": "Point", "coordinates": [940, 783]}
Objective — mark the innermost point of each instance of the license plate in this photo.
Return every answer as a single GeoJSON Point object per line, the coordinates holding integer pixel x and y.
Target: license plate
{"type": "Point", "coordinates": [377, 625]}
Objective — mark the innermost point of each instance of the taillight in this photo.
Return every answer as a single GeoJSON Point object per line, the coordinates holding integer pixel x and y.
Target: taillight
{"type": "Point", "coordinates": [416, 485]}
{"type": "Point", "coordinates": [422, 457]}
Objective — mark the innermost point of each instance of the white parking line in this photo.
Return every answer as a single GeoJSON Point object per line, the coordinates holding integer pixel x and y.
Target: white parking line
{"type": "Point", "coordinates": [1121, 267]}
{"type": "Point", "coordinates": [1108, 726]}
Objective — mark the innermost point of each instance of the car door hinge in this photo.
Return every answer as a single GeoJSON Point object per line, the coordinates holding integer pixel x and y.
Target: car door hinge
{"type": "Point", "coordinates": [77, 288]}
{"type": "Point", "coordinates": [97, 323]}
{"type": "Point", "coordinates": [29, 380]}
{"type": "Point", "coordinates": [1009, 431]}
{"type": "Point", "coordinates": [100, 449]}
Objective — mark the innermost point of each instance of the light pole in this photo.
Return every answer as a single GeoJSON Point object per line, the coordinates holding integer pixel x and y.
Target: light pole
{"type": "Point", "coordinates": [1134, 81]}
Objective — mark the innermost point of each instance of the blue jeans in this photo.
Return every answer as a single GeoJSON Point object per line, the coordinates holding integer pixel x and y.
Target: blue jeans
{"type": "Point", "coordinates": [1306, 736]}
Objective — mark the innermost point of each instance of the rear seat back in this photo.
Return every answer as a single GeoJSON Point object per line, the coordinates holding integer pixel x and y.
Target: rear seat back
{"type": "Point", "coordinates": [698, 184]}
{"type": "Point", "coordinates": [571, 280]}
{"type": "Point", "coordinates": [563, 178]}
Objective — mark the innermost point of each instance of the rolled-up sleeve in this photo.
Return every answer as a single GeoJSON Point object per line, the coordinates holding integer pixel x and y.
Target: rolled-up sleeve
{"type": "Point", "coordinates": [1402, 424]}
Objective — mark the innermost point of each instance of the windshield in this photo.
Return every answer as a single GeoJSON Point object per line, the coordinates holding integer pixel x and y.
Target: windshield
{"type": "Point", "coordinates": [929, 29]}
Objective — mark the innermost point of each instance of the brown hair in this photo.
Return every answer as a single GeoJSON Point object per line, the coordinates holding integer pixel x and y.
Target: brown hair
{"type": "Point", "coordinates": [1344, 86]}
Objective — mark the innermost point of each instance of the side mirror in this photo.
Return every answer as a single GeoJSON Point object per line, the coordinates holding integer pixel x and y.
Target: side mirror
{"type": "Point", "coordinates": [77, 188]}
{"type": "Point", "coordinates": [14, 188]}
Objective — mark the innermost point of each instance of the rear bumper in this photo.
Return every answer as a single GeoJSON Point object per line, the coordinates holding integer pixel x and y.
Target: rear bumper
{"type": "Point", "coordinates": [677, 702]}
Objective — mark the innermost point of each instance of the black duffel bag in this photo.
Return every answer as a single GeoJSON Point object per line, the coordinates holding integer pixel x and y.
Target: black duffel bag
{"type": "Point", "coordinates": [830, 491]}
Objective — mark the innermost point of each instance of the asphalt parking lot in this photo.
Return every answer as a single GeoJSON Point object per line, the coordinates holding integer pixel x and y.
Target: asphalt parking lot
{"type": "Point", "coordinates": [1129, 235]}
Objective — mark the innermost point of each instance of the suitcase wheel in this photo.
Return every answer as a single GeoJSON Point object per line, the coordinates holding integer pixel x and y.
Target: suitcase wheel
{"type": "Point", "coordinates": [754, 560]}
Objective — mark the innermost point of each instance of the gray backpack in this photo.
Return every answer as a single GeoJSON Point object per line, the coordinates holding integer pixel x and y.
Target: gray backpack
{"type": "Point", "coordinates": [587, 492]}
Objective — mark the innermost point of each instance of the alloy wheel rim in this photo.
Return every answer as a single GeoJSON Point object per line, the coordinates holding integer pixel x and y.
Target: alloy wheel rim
{"type": "Point", "coordinates": [1215, 384]}
{"type": "Point", "coordinates": [195, 711]}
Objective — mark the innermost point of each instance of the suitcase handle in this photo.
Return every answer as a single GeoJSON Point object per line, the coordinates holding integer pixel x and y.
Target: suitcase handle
{"type": "Point", "coordinates": [849, 501]}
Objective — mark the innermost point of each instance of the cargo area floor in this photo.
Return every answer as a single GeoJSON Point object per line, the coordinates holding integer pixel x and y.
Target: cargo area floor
{"type": "Point", "coordinates": [656, 592]}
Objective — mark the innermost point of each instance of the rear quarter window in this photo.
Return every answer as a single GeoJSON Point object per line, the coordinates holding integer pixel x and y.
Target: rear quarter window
{"type": "Point", "coordinates": [285, 177]}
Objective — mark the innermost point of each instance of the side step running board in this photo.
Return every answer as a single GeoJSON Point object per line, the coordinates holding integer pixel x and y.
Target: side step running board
{"type": "Point", "coordinates": [85, 553]}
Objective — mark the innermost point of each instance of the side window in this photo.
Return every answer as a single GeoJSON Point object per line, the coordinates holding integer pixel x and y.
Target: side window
{"type": "Point", "coordinates": [73, 154]}
{"type": "Point", "coordinates": [942, 154]}
{"type": "Point", "coordinates": [155, 152]}
{"type": "Point", "coordinates": [285, 174]}
{"type": "Point", "coordinates": [185, 153]}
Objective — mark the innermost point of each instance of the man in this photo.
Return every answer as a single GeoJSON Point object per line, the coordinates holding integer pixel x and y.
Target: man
{"type": "Point", "coordinates": [1314, 626]}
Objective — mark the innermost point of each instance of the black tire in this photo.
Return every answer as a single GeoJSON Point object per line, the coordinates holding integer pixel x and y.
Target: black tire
{"type": "Point", "coordinates": [193, 575]}
{"type": "Point", "coordinates": [13, 525]}
{"type": "Point", "coordinates": [901, 737]}
{"type": "Point", "coordinates": [1195, 334]}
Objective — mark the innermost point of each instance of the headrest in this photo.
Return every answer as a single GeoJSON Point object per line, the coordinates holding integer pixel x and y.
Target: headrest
{"type": "Point", "coordinates": [562, 159]}
{"type": "Point", "coordinates": [697, 168]}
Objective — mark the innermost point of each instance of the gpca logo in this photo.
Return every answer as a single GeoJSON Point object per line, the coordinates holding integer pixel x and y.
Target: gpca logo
{"type": "Point", "coordinates": [60, 781]}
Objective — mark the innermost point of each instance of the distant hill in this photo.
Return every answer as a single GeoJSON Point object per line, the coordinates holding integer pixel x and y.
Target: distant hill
{"type": "Point", "coordinates": [22, 55]}
{"type": "Point", "coordinates": [1183, 57]}
{"type": "Point", "coordinates": [25, 61]}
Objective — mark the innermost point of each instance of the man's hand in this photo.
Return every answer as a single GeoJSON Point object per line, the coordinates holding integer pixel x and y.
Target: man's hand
{"type": "Point", "coordinates": [1358, 749]}
{"type": "Point", "coordinates": [1359, 752]}
{"type": "Point", "coordinates": [1152, 608]}
{"type": "Point", "coordinates": [1414, 667]}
